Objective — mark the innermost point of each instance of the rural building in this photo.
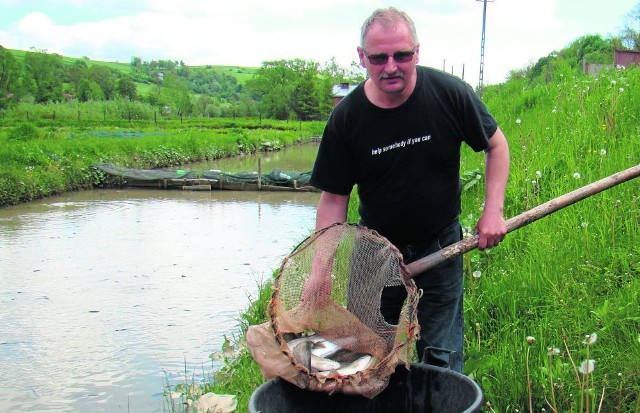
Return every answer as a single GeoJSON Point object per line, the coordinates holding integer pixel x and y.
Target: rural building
{"type": "Point", "coordinates": [621, 58]}
{"type": "Point", "coordinates": [338, 92]}
{"type": "Point", "coordinates": [626, 58]}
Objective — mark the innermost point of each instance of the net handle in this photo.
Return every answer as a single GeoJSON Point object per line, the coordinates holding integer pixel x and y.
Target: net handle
{"type": "Point", "coordinates": [523, 219]}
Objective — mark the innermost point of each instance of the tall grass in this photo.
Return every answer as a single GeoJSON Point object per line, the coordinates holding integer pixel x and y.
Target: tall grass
{"type": "Point", "coordinates": [535, 305]}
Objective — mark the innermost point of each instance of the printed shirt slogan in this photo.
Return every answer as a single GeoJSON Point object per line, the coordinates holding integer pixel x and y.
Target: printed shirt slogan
{"type": "Point", "coordinates": [400, 144]}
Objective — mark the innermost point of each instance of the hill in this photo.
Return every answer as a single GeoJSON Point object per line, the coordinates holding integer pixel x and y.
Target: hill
{"type": "Point", "coordinates": [242, 74]}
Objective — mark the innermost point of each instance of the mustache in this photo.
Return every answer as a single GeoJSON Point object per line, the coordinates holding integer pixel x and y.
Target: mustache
{"type": "Point", "coordinates": [392, 76]}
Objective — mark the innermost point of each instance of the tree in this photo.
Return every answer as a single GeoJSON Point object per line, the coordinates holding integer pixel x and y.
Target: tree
{"type": "Point", "coordinates": [175, 94]}
{"type": "Point", "coordinates": [78, 71]}
{"type": "Point", "coordinates": [89, 90]}
{"type": "Point", "coordinates": [304, 99]}
{"type": "Point", "coordinates": [631, 31]}
{"type": "Point", "coordinates": [126, 88]}
{"type": "Point", "coordinates": [9, 75]}
{"type": "Point", "coordinates": [44, 76]}
{"type": "Point", "coordinates": [105, 78]}
{"type": "Point", "coordinates": [273, 87]}
{"type": "Point", "coordinates": [592, 47]}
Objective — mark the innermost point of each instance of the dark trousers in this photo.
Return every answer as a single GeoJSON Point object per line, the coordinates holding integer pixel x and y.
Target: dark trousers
{"type": "Point", "coordinates": [440, 309]}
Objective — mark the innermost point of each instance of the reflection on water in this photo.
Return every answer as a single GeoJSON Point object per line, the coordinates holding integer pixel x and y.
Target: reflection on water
{"type": "Point", "coordinates": [108, 294]}
{"type": "Point", "coordinates": [294, 159]}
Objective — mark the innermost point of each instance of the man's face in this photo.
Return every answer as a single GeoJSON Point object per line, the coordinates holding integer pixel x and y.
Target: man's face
{"type": "Point", "coordinates": [395, 73]}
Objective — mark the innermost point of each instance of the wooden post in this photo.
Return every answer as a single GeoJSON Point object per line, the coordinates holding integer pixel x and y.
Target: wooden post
{"type": "Point", "coordinates": [259, 173]}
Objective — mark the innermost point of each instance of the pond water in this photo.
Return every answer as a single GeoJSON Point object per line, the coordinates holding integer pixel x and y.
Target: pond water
{"type": "Point", "coordinates": [108, 295]}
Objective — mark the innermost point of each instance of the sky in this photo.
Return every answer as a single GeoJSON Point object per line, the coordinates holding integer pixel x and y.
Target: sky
{"type": "Point", "coordinates": [250, 32]}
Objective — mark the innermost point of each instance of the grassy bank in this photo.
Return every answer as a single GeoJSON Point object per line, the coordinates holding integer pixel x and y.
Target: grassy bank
{"type": "Point", "coordinates": [46, 156]}
{"type": "Point", "coordinates": [552, 314]}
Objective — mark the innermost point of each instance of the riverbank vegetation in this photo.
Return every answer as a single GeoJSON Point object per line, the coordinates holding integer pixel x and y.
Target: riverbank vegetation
{"type": "Point", "coordinates": [48, 157]}
{"type": "Point", "coordinates": [551, 314]}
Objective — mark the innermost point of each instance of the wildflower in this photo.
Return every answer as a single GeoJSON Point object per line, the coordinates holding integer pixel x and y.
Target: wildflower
{"type": "Point", "coordinates": [585, 224]}
{"type": "Point", "coordinates": [613, 82]}
{"type": "Point", "coordinates": [587, 367]}
{"type": "Point", "coordinates": [531, 340]}
{"type": "Point", "coordinates": [621, 89]}
{"type": "Point", "coordinates": [518, 121]}
{"type": "Point", "coordinates": [554, 110]}
{"type": "Point", "coordinates": [603, 152]}
{"type": "Point", "coordinates": [589, 339]}
{"type": "Point", "coordinates": [553, 351]}
{"type": "Point", "coordinates": [538, 174]}
{"type": "Point", "coordinates": [477, 274]}
{"type": "Point", "coordinates": [576, 175]}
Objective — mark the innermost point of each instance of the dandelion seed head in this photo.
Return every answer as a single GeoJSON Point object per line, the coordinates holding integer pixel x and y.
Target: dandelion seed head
{"type": "Point", "coordinates": [589, 339]}
{"type": "Point", "coordinates": [584, 224]}
{"type": "Point", "coordinates": [554, 110]}
{"type": "Point", "coordinates": [553, 351]}
{"type": "Point", "coordinates": [621, 89]}
{"type": "Point", "coordinates": [576, 175]}
{"type": "Point", "coordinates": [518, 121]}
{"type": "Point", "coordinates": [587, 367]}
{"type": "Point", "coordinates": [603, 152]}
{"type": "Point", "coordinates": [613, 82]}
{"type": "Point", "coordinates": [477, 274]}
{"type": "Point", "coordinates": [538, 174]}
{"type": "Point", "coordinates": [531, 340]}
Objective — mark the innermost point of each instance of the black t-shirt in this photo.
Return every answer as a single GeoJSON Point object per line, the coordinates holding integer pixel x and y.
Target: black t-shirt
{"type": "Point", "coordinates": [405, 160]}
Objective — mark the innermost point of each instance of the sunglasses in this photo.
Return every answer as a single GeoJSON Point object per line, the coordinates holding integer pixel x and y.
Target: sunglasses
{"type": "Point", "coordinates": [383, 58]}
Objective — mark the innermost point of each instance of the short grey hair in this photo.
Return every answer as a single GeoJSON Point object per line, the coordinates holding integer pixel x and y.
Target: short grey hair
{"type": "Point", "coordinates": [388, 17]}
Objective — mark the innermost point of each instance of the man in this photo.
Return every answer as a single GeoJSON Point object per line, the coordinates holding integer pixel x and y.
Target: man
{"type": "Point", "coordinates": [398, 137]}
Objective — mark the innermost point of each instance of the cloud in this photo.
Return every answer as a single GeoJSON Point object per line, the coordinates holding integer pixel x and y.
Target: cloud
{"type": "Point", "coordinates": [248, 32]}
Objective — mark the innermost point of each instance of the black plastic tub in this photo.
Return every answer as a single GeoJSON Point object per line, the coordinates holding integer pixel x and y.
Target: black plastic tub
{"type": "Point", "coordinates": [423, 388]}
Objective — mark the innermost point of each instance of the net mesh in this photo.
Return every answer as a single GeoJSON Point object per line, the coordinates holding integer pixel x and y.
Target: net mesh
{"type": "Point", "coordinates": [331, 286]}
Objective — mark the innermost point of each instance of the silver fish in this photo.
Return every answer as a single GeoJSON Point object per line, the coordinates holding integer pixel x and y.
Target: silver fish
{"type": "Point", "coordinates": [360, 364]}
{"type": "Point", "coordinates": [323, 364]}
{"type": "Point", "coordinates": [324, 348]}
{"type": "Point", "coordinates": [301, 352]}
{"type": "Point", "coordinates": [344, 356]}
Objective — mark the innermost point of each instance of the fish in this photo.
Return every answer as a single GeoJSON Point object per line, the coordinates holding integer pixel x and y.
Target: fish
{"type": "Point", "coordinates": [344, 356]}
{"type": "Point", "coordinates": [325, 358]}
{"type": "Point", "coordinates": [322, 364]}
{"type": "Point", "coordinates": [325, 348]}
{"type": "Point", "coordinates": [301, 352]}
{"type": "Point", "coordinates": [310, 351]}
{"type": "Point", "coordinates": [360, 364]}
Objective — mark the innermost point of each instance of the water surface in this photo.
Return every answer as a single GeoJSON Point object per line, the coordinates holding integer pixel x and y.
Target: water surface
{"type": "Point", "coordinates": [108, 295]}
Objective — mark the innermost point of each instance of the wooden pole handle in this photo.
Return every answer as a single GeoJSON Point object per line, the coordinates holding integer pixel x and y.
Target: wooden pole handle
{"type": "Point", "coordinates": [524, 218]}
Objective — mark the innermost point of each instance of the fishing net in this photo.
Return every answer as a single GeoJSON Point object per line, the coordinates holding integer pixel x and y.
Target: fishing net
{"type": "Point", "coordinates": [329, 290]}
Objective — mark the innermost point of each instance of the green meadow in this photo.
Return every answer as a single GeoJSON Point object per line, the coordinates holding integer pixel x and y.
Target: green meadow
{"type": "Point", "coordinates": [553, 313]}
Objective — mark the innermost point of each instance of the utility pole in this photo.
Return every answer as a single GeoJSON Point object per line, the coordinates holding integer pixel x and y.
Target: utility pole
{"type": "Point", "coordinates": [484, 21]}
